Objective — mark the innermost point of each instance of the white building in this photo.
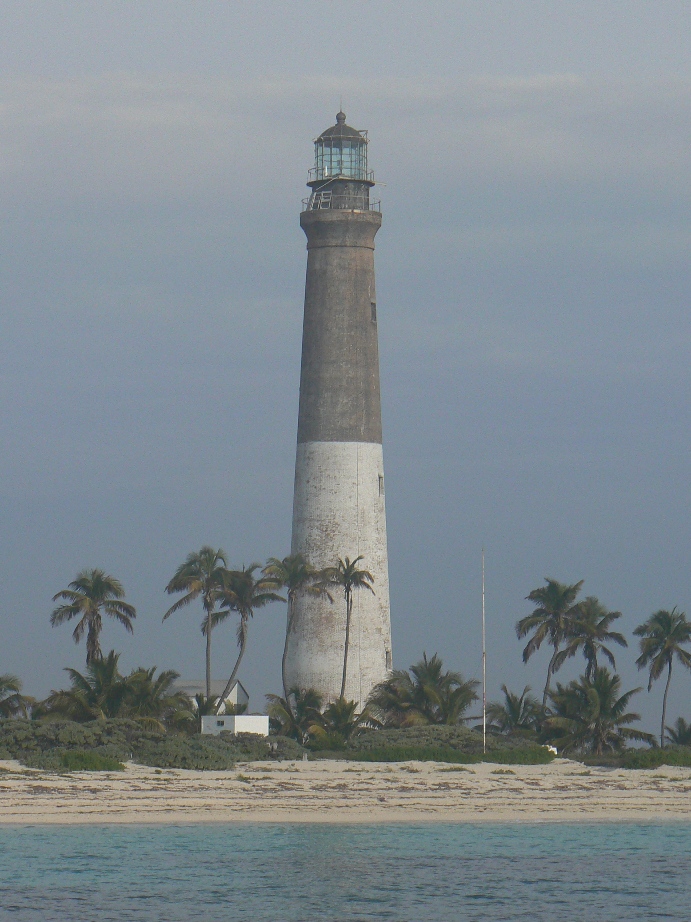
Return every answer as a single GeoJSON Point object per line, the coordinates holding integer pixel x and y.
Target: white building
{"type": "Point", "coordinates": [236, 723]}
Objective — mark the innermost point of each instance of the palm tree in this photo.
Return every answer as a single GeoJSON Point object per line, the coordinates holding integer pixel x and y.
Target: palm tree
{"type": "Point", "coordinates": [516, 714]}
{"type": "Point", "coordinates": [590, 715]}
{"type": "Point", "coordinates": [242, 592]}
{"type": "Point", "coordinates": [338, 722]}
{"type": "Point", "coordinates": [663, 637]}
{"type": "Point", "coordinates": [152, 699]}
{"type": "Point", "coordinates": [295, 575]}
{"type": "Point", "coordinates": [200, 575]}
{"type": "Point", "coordinates": [202, 707]}
{"type": "Point", "coordinates": [293, 715]}
{"type": "Point", "coordinates": [424, 695]}
{"type": "Point", "coordinates": [95, 695]}
{"type": "Point", "coordinates": [349, 577]}
{"type": "Point", "coordinates": [590, 632]}
{"type": "Point", "coordinates": [12, 702]}
{"type": "Point", "coordinates": [680, 733]}
{"type": "Point", "coordinates": [551, 620]}
{"type": "Point", "coordinates": [90, 596]}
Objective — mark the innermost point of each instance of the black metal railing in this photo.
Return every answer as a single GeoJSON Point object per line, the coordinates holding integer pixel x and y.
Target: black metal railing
{"type": "Point", "coordinates": [346, 172]}
{"type": "Point", "coordinates": [325, 201]}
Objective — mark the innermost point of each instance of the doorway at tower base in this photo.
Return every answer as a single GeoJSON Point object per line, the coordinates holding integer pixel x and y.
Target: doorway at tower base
{"type": "Point", "coordinates": [339, 511]}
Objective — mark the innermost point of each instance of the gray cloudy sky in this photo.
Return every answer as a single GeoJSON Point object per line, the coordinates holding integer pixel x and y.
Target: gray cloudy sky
{"type": "Point", "coordinates": [533, 291]}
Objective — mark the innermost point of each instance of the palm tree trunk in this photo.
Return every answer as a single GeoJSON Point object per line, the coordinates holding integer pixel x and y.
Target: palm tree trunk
{"type": "Point", "coordinates": [93, 647]}
{"type": "Point", "coordinates": [550, 673]}
{"type": "Point", "coordinates": [285, 651]}
{"type": "Point", "coordinates": [229, 685]}
{"type": "Point", "coordinates": [664, 707]}
{"type": "Point", "coordinates": [349, 610]}
{"type": "Point", "coordinates": [208, 654]}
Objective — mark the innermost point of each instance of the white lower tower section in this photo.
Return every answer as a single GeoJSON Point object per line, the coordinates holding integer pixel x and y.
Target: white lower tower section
{"type": "Point", "coordinates": [339, 511]}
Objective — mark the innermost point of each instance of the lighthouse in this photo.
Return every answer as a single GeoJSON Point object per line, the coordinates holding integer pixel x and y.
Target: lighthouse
{"type": "Point", "coordinates": [339, 499]}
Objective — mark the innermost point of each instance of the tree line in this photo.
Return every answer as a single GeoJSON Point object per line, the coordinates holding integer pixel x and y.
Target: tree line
{"type": "Point", "coordinates": [590, 713]}
{"type": "Point", "coordinates": [95, 595]}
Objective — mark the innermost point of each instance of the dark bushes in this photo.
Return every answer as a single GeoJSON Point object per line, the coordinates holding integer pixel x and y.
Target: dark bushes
{"type": "Point", "coordinates": [458, 737]}
{"type": "Point", "coordinates": [43, 745]}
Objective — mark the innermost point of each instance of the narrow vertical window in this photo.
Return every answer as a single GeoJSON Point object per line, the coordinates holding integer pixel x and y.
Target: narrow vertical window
{"type": "Point", "coordinates": [381, 484]}
{"type": "Point", "coordinates": [388, 660]}
{"type": "Point", "coordinates": [373, 307]}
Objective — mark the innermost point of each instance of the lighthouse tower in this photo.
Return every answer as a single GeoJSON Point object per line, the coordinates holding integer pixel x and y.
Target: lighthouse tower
{"type": "Point", "coordinates": [338, 506]}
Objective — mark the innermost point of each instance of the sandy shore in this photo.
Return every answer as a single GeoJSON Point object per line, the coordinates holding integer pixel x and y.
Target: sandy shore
{"type": "Point", "coordinates": [330, 792]}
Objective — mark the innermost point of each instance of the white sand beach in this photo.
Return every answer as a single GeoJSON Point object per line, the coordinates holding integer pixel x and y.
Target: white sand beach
{"type": "Point", "coordinates": [335, 791]}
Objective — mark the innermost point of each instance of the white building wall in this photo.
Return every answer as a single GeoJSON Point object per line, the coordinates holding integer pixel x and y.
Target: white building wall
{"type": "Point", "coordinates": [339, 510]}
{"type": "Point", "coordinates": [242, 723]}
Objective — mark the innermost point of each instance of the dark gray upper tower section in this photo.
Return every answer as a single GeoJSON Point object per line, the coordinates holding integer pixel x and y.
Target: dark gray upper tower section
{"type": "Point", "coordinates": [339, 383]}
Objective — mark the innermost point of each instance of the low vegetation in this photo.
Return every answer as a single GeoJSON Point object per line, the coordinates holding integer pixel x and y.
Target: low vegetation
{"type": "Point", "coordinates": [105, 718]}
{"type": "Point", "coordinates": [77, 761]}
{"type": "Point", "coordinates": [47, 745]}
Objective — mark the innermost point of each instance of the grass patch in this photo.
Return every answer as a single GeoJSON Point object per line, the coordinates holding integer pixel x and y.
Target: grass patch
{"type": "Point", "coordinates": [78, 761]}
{"type": "Point", "coordinates": [457, 768]}
{"type": "Point", "coordinates": [529, 755]}
{"type": "Point", "coordinates": [502, 771]}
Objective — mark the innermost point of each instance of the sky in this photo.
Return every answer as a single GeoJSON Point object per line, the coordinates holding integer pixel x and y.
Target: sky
{"type": "Point", "coordinates": [533, 292]}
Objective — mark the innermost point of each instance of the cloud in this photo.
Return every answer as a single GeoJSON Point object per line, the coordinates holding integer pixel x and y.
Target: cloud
{"type": "Point", "coordinates": [132, 138]}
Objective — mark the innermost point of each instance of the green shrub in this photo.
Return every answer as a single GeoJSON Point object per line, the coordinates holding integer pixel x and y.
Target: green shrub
{"type": "Point", "coordinates": [655, 758]}
{"type": "Point", "coordinates": [77, 761]}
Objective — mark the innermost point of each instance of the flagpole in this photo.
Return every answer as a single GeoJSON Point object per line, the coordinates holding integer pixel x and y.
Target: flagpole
{"type": "Point", "coordinates": [484, 662]}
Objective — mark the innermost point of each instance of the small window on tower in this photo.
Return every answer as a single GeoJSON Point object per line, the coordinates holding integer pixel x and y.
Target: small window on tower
{"type": "Point", "coordinates": [381, 484]}
{"type": "Point", "coordinates": [373, 306]}
{"type": "Point", "coordinates": [388, 660]}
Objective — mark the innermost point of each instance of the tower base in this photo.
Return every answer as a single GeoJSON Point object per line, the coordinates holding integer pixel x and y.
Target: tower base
{"type": "Point", "coordinates": [339, 512]}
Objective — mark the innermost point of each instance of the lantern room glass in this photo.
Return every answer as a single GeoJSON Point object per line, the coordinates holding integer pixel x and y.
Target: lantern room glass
{"type": "Point", "coordinates": [340, 157]}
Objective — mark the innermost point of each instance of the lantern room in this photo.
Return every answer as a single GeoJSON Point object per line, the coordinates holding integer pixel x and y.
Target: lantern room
{"type": "Point", "coordinates": [341, 152]}
{"type": "Point", "coordinates": [340, 178]}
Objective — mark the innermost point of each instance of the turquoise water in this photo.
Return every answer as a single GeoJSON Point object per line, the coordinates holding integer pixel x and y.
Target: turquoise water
{"type": "Point", "coordinates": [406, 873]}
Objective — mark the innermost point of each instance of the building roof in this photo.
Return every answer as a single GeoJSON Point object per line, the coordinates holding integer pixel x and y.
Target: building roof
{"type": "Point", "coordinates": [341, 130]}
{"type": "Point", "coordinates": [192, 688]}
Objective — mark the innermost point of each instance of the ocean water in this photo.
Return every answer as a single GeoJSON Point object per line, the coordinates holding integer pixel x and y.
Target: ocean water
{"type": "Point", "coordinates": [285, 872]}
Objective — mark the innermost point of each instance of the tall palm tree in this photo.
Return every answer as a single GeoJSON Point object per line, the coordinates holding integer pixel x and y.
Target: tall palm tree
{"type": "Point", "coordinates": [349, 577]}
{"type": "Point", "coordinates": [242, 592]}
{"type": "Point", "coordinates": [591, 715]}
{"type": "Point", "coordinates": [294, 715]}
{"type": "Point", "coordinates": [98, 693]}
{"type": "Point", "coordinates": [551, 620]}
{"type": "Point", "coordinates": [516, 713]}
{"type": "Point", "coordinates": [590, 632]}
{"type": "Point", "coordinates": [424, 695]}
{"type": "Point", "coordinates": [663, 637]}
{"type": "Point", "coordinates": [680, 733]}
{"type": "Point", "coordinates": [12, 702]}
{"type": "Point", "coordinates": [200, 575]}
{"type": "Point", "coordinates": [90, 596]}
{"type": "Point", "coordinates": [296, 576]}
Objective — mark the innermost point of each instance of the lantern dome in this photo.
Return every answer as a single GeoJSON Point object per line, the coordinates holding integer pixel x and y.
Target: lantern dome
{"type": "Point", "coordinates": [340, 152]}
